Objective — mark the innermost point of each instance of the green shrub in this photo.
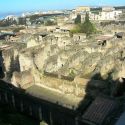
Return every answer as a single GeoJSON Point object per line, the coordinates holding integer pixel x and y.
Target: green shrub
{"type": "Point", "coordinates": [50, 23]}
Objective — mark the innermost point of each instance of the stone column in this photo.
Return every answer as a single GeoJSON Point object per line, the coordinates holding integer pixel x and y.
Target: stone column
{"type": "Point", "coordinates": [59, 74]}
{"type": "Point", "coordinates": [76, 121]}
{"type": "Point", "coordinates": [21, 106]}
{"type": "Point", "coordinates": [30, 110]}
{"type": "Point", "coordinates": [51, 120]}
{"type": "Point", "coordinates": [6, 98]}
{"type": "Point", "coordinates": [13, 100]}
{"type": "Point", "coordinates": [40, 113]}
{"type": "Point", "coordinates": [0, 98]}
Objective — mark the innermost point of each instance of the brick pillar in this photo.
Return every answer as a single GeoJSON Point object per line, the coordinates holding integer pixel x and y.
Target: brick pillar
{"type": "Point", "coordinates": [6, 98]}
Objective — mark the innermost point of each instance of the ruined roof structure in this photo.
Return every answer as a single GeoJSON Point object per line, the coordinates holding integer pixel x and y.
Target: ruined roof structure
{"type": "Point", "coordinates": [120, 34]}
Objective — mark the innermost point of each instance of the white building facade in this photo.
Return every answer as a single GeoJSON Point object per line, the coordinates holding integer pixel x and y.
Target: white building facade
{"type": "Point", "coordinates": [107, 13]}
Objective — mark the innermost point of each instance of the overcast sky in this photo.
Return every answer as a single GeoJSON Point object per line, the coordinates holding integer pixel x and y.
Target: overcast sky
{"type": "Point", "coordinates": [33, 5]}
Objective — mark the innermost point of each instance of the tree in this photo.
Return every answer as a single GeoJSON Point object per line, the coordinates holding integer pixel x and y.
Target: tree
{"type": "Point", "coordinates": [78, 19]}
{"type": "Point", "coordinates": [87, 27]}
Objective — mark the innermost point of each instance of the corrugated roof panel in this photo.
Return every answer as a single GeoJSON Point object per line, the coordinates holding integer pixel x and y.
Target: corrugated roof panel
{"type": "Point", "coordinates": [99, 110]}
